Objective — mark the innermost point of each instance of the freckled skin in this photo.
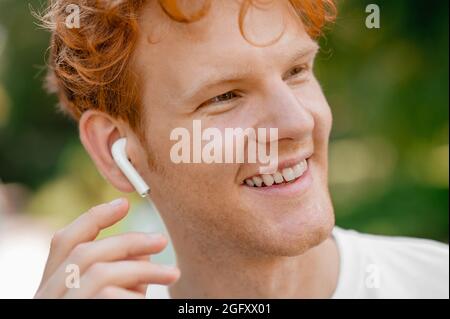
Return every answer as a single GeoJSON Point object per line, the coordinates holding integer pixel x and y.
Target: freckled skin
{"type": "Point", "coordinates": [215, 225]}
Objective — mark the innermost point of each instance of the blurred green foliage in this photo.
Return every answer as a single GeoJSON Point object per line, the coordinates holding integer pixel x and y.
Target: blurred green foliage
{"type": "Point", "coordinates": [388, 89]}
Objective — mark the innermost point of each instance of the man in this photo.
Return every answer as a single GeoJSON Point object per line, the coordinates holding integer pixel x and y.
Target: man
{"type": "Point", "coordinates": [140, 70]}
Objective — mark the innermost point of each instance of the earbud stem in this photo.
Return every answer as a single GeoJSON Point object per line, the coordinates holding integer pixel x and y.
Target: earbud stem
{"type": "Point", "coordinates": [118, 151]}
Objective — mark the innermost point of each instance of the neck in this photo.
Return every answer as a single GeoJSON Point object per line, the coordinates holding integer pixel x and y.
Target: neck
{"type": "Point", "coordinates": [218, 273]}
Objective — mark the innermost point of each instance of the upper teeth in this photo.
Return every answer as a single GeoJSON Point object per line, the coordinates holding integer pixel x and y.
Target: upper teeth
{"type": "Point", "coordinates": [287, 174]}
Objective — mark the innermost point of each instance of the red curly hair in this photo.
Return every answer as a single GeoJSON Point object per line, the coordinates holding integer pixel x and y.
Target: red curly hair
{"type": "Point", "coordinates": [89, 66]}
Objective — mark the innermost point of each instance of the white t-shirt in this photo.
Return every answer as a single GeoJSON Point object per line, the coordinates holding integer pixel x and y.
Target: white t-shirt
{"type": "Point", "coordinates": [373, 266]}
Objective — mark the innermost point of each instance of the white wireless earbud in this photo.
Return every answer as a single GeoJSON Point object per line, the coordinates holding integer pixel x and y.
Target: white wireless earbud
{"type": "Point", "coordinates": [120, 157]}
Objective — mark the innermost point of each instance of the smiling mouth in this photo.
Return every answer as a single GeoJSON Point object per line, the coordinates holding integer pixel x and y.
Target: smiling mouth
{"type": "Point", "coordinates": [286, 175]}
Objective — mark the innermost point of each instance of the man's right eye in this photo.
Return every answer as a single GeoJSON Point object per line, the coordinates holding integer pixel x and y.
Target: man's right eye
{"type": "Point", "coordinates": [222, 98]}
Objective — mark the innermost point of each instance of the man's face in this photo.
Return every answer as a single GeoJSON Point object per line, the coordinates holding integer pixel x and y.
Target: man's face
{"type": "Point", "coordinates": [208, 71]}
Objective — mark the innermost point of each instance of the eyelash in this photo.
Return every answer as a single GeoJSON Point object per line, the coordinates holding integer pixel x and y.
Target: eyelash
{"type": "Point", "coordinates": [230, 95]}
{"type": "Point", "coordinates": [296, 71]}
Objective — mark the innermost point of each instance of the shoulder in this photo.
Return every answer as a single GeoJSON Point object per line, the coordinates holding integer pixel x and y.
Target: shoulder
{"type": "Point", "coordinates": [394, 267]}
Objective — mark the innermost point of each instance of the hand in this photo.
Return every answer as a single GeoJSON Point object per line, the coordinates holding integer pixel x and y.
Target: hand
{"type": "Point", "coordinates": [114, 267]}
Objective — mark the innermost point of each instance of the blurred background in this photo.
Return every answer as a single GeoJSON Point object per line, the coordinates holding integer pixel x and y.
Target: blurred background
{"type": "Point", "coordinates": [389, 152]}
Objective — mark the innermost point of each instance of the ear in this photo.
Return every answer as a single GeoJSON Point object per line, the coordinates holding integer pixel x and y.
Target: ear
{"type": "Point", "coordinates": [98, 131]}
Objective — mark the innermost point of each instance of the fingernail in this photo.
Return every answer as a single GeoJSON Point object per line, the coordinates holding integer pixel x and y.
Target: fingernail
{"type": "Point", "coordinates": [116, 202]}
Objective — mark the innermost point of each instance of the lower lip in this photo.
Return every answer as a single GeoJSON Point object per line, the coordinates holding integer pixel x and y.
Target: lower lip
{"type": "Point", "coordinates": [294, 188]}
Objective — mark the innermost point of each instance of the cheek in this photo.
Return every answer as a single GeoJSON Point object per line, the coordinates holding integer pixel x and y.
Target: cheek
{"type": "Point", "coordinates": [323, 120]}
{"type": "Point", "coordinates": [320, 110]}
{"type": "Point", "coordinates": [198, 183]}
{"type": "Point", "coordinates": [197, 196]}
{"type": "Point", "coordinates": [317, 105]}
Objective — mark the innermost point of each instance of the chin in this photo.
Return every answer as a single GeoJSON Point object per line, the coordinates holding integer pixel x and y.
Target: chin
{"type": "Point", "coordinates": [292, 217]}
{"type": "Point", "coordinates": [305, 237]}
{"type": "Point", "coordinates": [293, 231]}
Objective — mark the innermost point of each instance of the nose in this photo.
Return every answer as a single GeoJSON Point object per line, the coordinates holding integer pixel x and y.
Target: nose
{"type": "Point", "coordinates": [281, 108]}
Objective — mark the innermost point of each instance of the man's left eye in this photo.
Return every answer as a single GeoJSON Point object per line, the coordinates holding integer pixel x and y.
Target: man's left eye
{"type": "Point", "coordinates": [295, 72]}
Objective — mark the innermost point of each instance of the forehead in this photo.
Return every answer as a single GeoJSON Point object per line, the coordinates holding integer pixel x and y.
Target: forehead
{"type": "Point", "coordinates": [175, 53]}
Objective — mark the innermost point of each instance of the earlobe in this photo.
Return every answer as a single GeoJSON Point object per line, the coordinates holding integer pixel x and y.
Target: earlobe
{"type": "Point", "coordinates": [98, 131]}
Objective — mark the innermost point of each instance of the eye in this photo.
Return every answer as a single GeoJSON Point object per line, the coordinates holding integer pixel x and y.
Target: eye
{"type": "Point", "coordinates": [296, 71]}
{"type": "Point", "coordinates": [222, 98]}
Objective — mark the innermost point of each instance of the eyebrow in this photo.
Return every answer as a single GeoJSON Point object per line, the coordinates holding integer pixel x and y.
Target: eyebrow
{"type": "Point", "coordinates": [304, 52]}
{"type": "Point", "coordinates": [242, 73]}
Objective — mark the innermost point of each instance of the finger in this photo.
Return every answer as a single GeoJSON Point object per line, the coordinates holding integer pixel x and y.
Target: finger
{"type": "Point", "coordinates": [84, 228]}
{"type": "Point", "coordinates": [140, 289]}
{"type": "Point", "coordinates": [109, 249]}
{"type": "Point", "coordinates": [115, 248]}
{"type": "Point", "coordinates": [142, 258]}
{"type": "Point", "coordinates": [112, 292]}
{"type": "Point", "coordinates": [123, 274]}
